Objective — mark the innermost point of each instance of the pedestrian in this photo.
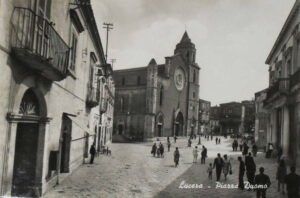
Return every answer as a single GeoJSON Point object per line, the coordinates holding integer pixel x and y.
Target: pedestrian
{"type": "Point", "coordinates": [241, 145]}
{"type": "Point", "coordinates": [279, 153]}
{"type": "Point", "coordinates": [195, 154]}
{"type": "Point", "coordinates": [158, 152]}
{"type": "Point", "coordinates": [250, 168]}
{"type": "Point", "coordinates": [169, 146]}
{"type": "Point", "coordinates": [219, 140]}
{"type": "Point", "coordinates": [176, 156]}
{"type": "Point", "coordinates": [269, 150]}
{"type": "Point", "coordinates": [168, 139]}
{"type": "Point", "coordinates": [218, 164]}
{"type": "Point", "coordinates": [280, 175]}
{"type": "Point", "coordinates": [233, 146]}
{"type": "Point", "coordinates": [153, 151]}
{"type": "Point", "coordinates": [241, 173]}
{"type": "Point", "coordinates": [210, 170]}
{"type": "Point", "coordinates": [216, 140]}
{"type": "Point", "coordinates": [211, 138]}
{"type": "Point", "coordinates": [175, 138]}
{"type": "Point", "coordinates": [227, 167]}
{"type": "Point", "coordinates": [203, 154]}
{"type": "Point", "coordinates": [92, 152]}
{"type": "Point", "coordinates": [292, 181]}
{"type": "Point", "coordinates": [189, 142]}
{"type": "Point", "coordinates": [262, 180]}
{"type": "Point", "coordinates": [161, 149]}
{"type": "Point", "coordinates": [245, 148]}
{"type": "Point", "coordinates": [254, 150]}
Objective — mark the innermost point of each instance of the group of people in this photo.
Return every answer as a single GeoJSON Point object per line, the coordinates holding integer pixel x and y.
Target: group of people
{"type": "Point", "coordinates": [203, 154]}
{"type": "Point", "coordinates": [220, 165]}
{"type": "Point", "coordinates": [158, 150]}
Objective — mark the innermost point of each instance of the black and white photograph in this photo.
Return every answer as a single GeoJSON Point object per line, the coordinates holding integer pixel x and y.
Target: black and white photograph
{"type": "Point", "coordinates": [150, 98]}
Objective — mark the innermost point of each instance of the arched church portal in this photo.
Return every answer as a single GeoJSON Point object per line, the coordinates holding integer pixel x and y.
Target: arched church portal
{"type": "Point", "coordinates": [178, 125]}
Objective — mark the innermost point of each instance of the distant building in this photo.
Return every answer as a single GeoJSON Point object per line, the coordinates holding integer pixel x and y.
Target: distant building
{"type": "Point", "coordinates": [159, 100]}
{"type": "Point", "coordinates": [283, 95]}
{"type": "Point", "coordinates": [261, 120]}
{"type": "Point", "coordinates": [214, 119]}
{"type": "Point", "coordinates": [237, 117]}
{"type": "Point", "coordinates": [204, 119]}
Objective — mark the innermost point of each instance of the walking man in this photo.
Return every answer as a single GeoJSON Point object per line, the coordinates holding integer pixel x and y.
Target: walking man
{"type": "Point", "coordinates": [169, 145]}
{"type": "Point", "coordinates": [241, 173]}
{"type": "Point", "coordinates": [92, 152]}
{"type": "Point", "coordinates": [250, 167]}
{"type": "Point", "coordinates": [263, 180]}
{"type": "Point", "coordinates": [203, 154]}
{"type": "Point", "coordinates": [218, 164]}
{"type": "Point", "coordinates": [176, 157]}
{"type": "Point", "coordinates": [292, 181]}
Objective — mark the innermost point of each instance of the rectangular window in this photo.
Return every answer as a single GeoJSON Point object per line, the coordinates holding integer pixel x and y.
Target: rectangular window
{"type": "Point", "coordinates": [73, 51]}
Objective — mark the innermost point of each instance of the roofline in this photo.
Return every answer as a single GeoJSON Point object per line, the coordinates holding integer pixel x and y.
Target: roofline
{"type": "Point", "coordinates": [283, 30]}
{"type": "Point", "coordinates": [90, 18]}
{"type": "Point", "coordinates": [130, 69]}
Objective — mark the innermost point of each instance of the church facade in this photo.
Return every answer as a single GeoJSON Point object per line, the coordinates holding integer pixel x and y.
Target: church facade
{"type": "Point", "coordinates": [158, 99]}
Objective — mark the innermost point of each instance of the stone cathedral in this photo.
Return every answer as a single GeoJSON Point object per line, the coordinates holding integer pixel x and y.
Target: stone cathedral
{"type": "Point", "coordinates": [158, 99]}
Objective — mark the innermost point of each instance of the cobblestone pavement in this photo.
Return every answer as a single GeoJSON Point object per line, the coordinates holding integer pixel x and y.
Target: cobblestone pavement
{"type": "Point", "coordinates": [132, 172]}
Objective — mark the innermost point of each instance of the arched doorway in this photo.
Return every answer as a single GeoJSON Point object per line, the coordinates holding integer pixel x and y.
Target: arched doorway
{"type": "Point", "coordinates": [120, 129]}
{"type": "Point", "coordinates": [179, 124]}
{"type": "Point", "coordinates": [29, 146]}
{"type": "Point", "coordinates": [160, 124]}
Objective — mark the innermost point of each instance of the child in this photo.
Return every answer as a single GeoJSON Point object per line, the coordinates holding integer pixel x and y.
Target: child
{"type": "Point", "coordinates": [209, 170]}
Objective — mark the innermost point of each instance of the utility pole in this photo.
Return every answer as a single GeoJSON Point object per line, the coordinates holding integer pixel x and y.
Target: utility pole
{"type": "Point", "coordinates": [107, 26]}
{"type": "Point", "coordinates": [113, 60]}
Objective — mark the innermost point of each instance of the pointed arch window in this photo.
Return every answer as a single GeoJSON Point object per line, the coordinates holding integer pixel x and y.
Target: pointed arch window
{"type": "Point", "coordinates": [161, 95]}
{"type": "Point", "coordinates": [122, 104]}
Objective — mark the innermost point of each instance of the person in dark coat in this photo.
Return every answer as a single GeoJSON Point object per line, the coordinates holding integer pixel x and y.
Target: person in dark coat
{"type": "Point", "coordinates": [92, 152]}
{"type": "Point", "coordinates": [254, 150]}
{"type": "Point", "coordinates": [245, 148]}
{"type": "Point", "coordinates": [218, 164]}
{"type": "Point", "coordinates": [175, 138]}
{"type": "Point", "coordinates": [262, 180]}
{"type": "Point", "coordinates": [216, 140]}
{"type": "Point", "coordinates": [219, 140]}
{"type": "Point", "coordinates": [280, 175]}
{"type": "Point", "coordinates": [279, 153]}
{"type": "Point", "coordinates": [169, 145]}
{"type": "Point", "coordinates": [176, 157]}
{"type": "Point", "coordinates": [241, 173]}
{"type": "Point", "coordinates": [250, 168]}
{"type": "Point", "coordinates": [203, 154]}
{"type": "Point", "coordinates": [168, 139]}
{"type": "Point", "coordinates": [161, 149]}
{"type": "Point", "coordinates": [153, 151]}
{"type": "Point", "coordinates": [292, 181]}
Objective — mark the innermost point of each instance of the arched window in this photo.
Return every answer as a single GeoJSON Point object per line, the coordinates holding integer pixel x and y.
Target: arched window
{"type": "Point", "coordinates": [161, 95]}
{"type": "Point", "coordinates": [194, 76]}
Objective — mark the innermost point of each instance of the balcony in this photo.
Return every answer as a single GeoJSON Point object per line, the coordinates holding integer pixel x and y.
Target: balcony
{"type": "Point", "coordinates": [280, 88]}
{"type": "Point", "coordinates": [37, 45]}
{"type": "Point", "coordinates": [93, 96]}
{"type": "Point", "coordinates": [295, 78]}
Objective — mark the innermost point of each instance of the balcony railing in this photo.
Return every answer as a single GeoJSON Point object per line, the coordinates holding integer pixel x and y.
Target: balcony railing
{"type": "Point", "coordinates": [281, 86]}
{"type": "Point", "coordinates": [35, 42]}
{"type": "Point", "coordinates": [93, 96]}
{"type": "Point", "coordinates": [295, 78]}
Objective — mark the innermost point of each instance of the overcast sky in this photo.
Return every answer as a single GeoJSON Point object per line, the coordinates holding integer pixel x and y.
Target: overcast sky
{"type": "Point", "coordinates": [232, 37]}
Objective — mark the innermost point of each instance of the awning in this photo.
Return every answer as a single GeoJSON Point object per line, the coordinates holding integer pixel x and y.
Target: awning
{"type": "Point", "coordinates": [79, 123]}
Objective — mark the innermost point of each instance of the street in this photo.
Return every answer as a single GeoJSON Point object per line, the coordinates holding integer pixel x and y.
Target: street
{"type": "Point", "coordinates": [131, 171]}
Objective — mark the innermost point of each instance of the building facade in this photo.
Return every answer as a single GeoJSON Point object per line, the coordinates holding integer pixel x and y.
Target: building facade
{"type": "Point", "coordinates": [261, 120]}
{"type": "Point", "coordinates": [159, 99]}
{"type": "Point", "coordinates": [237, 117]}
{"type": "Point", "coordinates": [50, 52]}
{"type": "Point", "coordinates": [204, 117]}
{"type": "Point", "coordinates": [214, 119]}
{"type": "Point", "coordinates": [283, 95]}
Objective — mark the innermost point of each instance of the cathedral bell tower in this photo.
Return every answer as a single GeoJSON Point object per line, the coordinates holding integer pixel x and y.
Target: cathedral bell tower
{"type": "Point", "coordinates": [186, 49]}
